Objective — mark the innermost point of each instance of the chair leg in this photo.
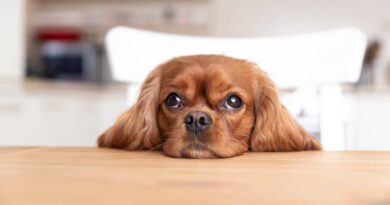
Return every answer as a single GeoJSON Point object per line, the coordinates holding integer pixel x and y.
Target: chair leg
{"type": "Point", "coordinates": [331, 118]}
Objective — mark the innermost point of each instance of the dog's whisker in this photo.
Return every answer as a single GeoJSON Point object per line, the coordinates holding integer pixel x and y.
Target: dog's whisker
{"type": "Point", "coordinates": [155, 147]}
{"type": "Point", "coordinates": [150, 150]}
{"type": "Point", "coordinates": [241, 145]}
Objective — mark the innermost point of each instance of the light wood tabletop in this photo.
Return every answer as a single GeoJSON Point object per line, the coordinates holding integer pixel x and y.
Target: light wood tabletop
{"type": "Point", "coordinates": [103, 176]}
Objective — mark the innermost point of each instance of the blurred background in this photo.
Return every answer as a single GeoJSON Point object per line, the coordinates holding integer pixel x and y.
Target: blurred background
{"type": "Point", "coordinates": [56, 87]}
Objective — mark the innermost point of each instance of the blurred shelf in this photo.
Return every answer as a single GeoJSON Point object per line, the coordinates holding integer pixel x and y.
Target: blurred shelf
{"type": "Point", "coordinates": [77, 86]}
{"type": "Point", "coordinates": [367, 89]}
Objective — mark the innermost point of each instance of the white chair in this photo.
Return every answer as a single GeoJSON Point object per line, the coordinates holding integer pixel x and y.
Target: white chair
{"type": "Point", "coordinates": [323, 60]}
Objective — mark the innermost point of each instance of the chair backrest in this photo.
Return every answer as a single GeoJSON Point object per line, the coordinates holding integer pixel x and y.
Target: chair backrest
{"type": "Point", "coordinates": [333, 56]}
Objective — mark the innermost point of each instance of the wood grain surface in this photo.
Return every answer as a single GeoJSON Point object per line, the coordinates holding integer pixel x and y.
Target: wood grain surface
{"type": "Point", "coordinates": [43, 175]}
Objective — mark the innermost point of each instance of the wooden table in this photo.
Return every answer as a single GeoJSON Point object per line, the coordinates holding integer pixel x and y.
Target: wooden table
{"type": "Point", "coordinates": [103, 176]}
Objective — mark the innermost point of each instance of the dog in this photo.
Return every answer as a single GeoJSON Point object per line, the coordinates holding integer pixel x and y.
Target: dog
{"type": "Point", "coordinates": [208, 106]}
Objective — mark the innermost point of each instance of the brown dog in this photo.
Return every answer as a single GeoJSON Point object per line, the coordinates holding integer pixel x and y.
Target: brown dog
{"type": "Point", "coordinates": [208, 106]}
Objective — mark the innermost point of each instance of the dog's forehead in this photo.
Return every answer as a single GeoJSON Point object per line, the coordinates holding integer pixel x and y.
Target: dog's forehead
{"type": "Point", "coordinates": [213, 74]}
{"type": "Point", "coordinates": [211, 81]}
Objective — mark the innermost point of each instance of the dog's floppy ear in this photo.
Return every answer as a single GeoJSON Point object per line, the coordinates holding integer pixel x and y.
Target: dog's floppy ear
{"type": "Point", "coordinates": [137, 127]}
{"type": "Point", "coordinates": [275, 129]}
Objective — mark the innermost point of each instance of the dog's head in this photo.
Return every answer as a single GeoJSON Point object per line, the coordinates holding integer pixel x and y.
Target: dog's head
{"type": "Point", "coordinates": [208, 106]}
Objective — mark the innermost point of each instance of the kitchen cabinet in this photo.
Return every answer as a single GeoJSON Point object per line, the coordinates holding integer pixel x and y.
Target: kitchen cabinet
{"type": "Point", "coordinates": [74, 114]}
{"type": "Point", "coordinates": [58, 114]}
{"type": "Point", "coordinates": [367, 118]}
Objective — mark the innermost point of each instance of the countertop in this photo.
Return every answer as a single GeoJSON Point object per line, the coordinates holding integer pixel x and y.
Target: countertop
{"type": "Point", "coordinates": [49, 175]}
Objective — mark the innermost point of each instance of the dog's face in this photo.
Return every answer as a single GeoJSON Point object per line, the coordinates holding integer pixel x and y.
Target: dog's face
{"type": "Point", "coordinates": [208, 106]}
{"type": "Point", "coordinates": [206, 110]}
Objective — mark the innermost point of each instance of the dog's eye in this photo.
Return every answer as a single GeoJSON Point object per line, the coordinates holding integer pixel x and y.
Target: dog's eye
{"type": "Point", "coordinates": [173, 101]}
{"type": "Point", "coordinates": [233, 102]}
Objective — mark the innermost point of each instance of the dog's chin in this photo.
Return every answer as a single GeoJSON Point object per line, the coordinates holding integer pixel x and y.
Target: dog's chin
{"type": "Point", "coordinates": [197, 151]}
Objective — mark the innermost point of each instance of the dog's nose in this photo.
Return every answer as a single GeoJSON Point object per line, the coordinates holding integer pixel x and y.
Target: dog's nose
{"type": "Point", "coordinates": [197, 121]}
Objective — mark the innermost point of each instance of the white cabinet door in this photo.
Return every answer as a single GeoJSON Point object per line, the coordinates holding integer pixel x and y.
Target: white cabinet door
{"type": "Point", "coordinates": [373, 121]}
{"type": "Point", "coordinates": [368, 120]}
{"type": "Point", "coordinates": [58, 117]}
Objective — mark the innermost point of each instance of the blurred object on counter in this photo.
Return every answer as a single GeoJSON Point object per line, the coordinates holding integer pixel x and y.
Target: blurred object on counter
{"type": "Point", "coordinates": [67, 53]}
{"type": "Point", "coordinates": [387, 74]}
{"type": "Point", "coordinates": [367, 75]}
{"type": "Point", "coordinates": [61, 52]}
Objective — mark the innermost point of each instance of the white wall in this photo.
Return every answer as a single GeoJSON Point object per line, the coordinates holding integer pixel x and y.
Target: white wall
{"type": "Point", "coordinates": [12, 37]}
{"type": "Point", "coordinates": [276, 17]}
{"type": "Point", "coordinates": [281, 17]}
